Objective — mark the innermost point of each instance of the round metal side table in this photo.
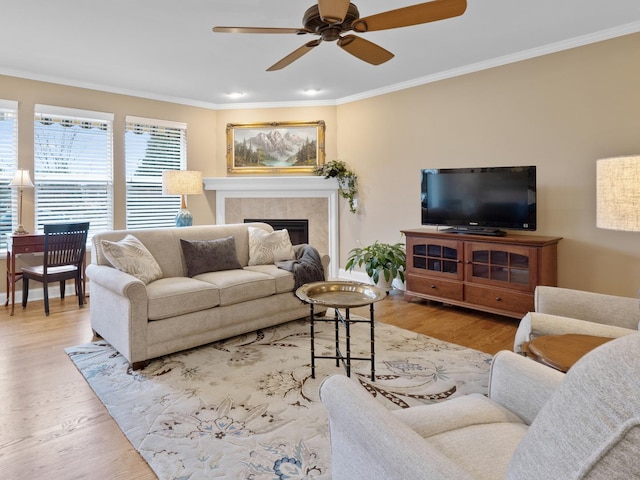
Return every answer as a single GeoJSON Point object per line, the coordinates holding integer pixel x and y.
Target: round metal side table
{"type": "Point", "coordinates": [341, 295]}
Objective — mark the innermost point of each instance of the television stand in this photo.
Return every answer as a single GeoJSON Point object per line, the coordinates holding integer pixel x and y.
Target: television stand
{"type": "Point", "coordinates": [489, 232]}
{"type": "Point", "coordinates": [489, 273]}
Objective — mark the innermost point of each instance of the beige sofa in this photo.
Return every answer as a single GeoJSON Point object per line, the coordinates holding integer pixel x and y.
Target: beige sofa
{"type": "Point", "coordinates": [145, 317]}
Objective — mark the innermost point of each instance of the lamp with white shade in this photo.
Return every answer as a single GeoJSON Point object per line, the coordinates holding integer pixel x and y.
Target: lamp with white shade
{"type": "Point", "coordinates": [618, 193]}
{"type": "Point", "coordinates": [182, 182]}
{"type": "Point", "coordinates": [21, 180]}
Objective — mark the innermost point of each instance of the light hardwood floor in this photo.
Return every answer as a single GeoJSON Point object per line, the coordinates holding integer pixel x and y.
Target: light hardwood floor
{"type": "Point", "coordinates": [52, 426]}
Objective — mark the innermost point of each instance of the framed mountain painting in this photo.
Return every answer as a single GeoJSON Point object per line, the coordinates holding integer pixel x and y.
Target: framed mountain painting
{"type": "Point", "coordinates": [275, 148]}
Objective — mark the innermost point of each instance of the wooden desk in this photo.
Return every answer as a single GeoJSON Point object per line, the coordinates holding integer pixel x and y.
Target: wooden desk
{"type": "Point", "coordinates": [562, 351]}
{"type": "Point", "coordinates": [18, 245]}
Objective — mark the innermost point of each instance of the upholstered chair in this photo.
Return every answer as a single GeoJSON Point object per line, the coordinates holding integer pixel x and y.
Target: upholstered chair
{"type": "Point", "coordinates": [562, 310]}
{"type": "Point", "coordinates": [535, 423]}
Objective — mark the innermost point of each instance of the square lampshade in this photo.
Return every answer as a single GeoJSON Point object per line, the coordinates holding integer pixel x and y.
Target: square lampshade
{"type": "Point", "coordinates": [618, 193]}
{"type": "Point", "coordinates": [181, 182]}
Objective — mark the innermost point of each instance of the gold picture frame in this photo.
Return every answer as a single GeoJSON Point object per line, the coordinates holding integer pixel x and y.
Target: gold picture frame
{"type": "Point", "coordinates": [275, 148]}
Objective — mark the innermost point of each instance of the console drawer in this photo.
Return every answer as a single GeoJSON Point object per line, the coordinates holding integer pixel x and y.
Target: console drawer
{"type": "Point", "coordinates": [499, 299]}
{"type": "Point", "coordinates": [435, 287]}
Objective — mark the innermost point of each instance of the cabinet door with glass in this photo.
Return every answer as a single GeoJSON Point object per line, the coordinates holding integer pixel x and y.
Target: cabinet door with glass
{"type": "Point", "coordinates": [511, 266]}
{"type": "Point", "coordinates": [435, 257]}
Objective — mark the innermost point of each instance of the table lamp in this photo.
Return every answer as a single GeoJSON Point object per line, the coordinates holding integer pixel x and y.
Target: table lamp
{"type": "Point", "coordinates": [182, 182]}
{"type": "Point", "coordinates": [618, 193]}
{"type": "Point", "coordinates": [21, 180]}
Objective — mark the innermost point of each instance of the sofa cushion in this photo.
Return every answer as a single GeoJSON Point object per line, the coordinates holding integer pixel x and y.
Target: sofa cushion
{"type": "Point", "coordinates": [203, 256]}
{"type": "Point", "coordinates": [269, 247]}
{"type": "Point", "coordinates": [284, 280]}
{"type": "Point", "coordinates": [482, 450]}
{"type": "Point", "coordinates": [170, 297]}
{"type": "Point", "coordinates": [129, 255]}
{"type": "Point", "coordinates": [237, 286]}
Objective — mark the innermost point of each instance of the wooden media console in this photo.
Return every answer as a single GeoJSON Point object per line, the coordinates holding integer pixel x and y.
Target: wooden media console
{"type": "Point", "coordinates": [493, 274]}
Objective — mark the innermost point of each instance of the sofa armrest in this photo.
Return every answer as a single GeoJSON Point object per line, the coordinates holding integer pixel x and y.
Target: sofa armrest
{"type": "Point", "coordinates": [324, 259]}
{"type": "Point", "coordinates": [521, 384]}
{"type": "Point", "coordinates": [589, 306]}
{"type": "Point", "coordinates": [368, 441]}
{"type": "Point", "coordinates": [119, 312]}
{"type": "Point", "coordinates": [535, 324]}
{"type": "Point", "coordinates": [118, 282]}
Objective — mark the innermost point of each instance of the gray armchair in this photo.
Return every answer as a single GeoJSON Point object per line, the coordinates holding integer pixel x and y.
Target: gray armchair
{"type": "Point", "coordinates": [536, 423]}
{"type": "Point", "coordinates": [561, 310]}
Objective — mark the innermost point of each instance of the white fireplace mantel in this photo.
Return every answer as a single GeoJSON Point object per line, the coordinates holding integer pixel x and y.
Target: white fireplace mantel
{"type": "Point", "coordinates": [280, 184]}
{"type": "Point", "coordinates": [282, 187]}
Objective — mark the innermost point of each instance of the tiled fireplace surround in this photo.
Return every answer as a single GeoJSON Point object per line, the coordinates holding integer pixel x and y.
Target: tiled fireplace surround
{"type": "Point", "coordinates": [285, 197]}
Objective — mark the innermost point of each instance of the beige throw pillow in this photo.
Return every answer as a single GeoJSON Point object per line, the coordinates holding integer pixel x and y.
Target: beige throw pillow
{"type": "Point", "coordinates": [129, 255]}
{"type": "Point", "coordinates": [268, 248]}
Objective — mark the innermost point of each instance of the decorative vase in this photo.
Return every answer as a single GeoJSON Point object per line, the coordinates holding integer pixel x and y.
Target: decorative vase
{"type": "Point", "coordinates": [384, 284]}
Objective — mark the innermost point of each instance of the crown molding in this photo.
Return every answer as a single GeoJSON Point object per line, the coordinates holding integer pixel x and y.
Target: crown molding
{"type": "Point", "coordinates": [575, 42]}
{"type": "Point", "coordinates": [500, 61]}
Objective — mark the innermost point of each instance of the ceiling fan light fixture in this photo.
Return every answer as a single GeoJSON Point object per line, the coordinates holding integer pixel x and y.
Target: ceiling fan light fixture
{"type": "Point", "coordinates": [333, 11]}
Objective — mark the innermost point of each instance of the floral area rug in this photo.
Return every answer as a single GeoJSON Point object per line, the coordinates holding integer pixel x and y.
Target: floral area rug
{"type": "Point", "coordinates": [247, 407]}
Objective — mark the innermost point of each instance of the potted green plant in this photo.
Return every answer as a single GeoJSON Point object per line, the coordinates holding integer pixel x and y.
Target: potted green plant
{"type": "Point", "coordinates": [347, 180]}
{"type": "Point", "coordinates": [383, 262]}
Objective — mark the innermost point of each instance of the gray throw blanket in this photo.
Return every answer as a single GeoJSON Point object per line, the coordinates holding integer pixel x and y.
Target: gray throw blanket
{"type": "Point", "coordinates": [307, 266]}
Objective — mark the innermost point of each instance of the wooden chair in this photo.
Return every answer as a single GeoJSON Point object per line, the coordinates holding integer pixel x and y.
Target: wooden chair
{"type": "Point", "coordinates": [64, 254]}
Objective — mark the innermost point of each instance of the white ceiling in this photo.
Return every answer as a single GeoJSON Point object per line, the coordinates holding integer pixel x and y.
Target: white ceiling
{"type": "Point", "coordinates": [165, 49]}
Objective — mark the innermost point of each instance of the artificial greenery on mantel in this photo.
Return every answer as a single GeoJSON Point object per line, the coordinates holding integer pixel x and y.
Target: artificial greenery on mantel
{"type": "Point", "coordinates": [347, 180]}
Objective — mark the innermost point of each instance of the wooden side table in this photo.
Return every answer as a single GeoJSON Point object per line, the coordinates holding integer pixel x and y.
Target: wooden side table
{"type": "Point", "coordinates": [562, 351]}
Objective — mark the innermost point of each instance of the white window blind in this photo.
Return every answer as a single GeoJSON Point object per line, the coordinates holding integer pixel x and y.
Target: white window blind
{"type": "Point", "coordinates": [8, 165]}
{"type": "Point", "coordinates": [152, 146]}
{"type": "Point", "coordinates": [73, 167]}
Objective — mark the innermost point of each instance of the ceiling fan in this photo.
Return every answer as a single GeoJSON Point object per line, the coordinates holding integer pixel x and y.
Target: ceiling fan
{"type": "Point", "coordinates": [329, 19]}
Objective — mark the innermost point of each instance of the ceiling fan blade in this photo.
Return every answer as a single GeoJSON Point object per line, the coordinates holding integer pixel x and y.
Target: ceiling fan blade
{"type": "Point", "coordinates": [364, 49]}
{"type": "Point", "coordinates": [413, 15]}
{"type": "Point", "coordinates": [333, 11]}
{"type": "Point", "coordinates": [298, 31]}
{"type": "Point", "coordinates": [295, 55]}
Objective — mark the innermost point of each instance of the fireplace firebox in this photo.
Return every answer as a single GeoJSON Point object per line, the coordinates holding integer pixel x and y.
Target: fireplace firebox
{"type": "Point", "coordinates": [298, 228]}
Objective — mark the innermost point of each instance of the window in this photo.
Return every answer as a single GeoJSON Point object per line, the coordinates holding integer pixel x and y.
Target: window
{"type": "Point", "coordinates": [8, 165]}
{"type": "Point", "coordinates": [73, 167]}
{"type": "Point", "coordinates": [152, 146]}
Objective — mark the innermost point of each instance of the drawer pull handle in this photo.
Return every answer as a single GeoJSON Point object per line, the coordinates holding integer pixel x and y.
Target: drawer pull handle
{"type": "Point", "coordinates": [498, 299]}
{"type": "Point", "coordinates": [433, 286]}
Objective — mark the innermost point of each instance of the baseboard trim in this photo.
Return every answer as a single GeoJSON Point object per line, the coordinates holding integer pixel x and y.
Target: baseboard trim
{"type": "Point", "coordinates": [38, 293]}
{"type": "Point", "coordinates": [354, 276]}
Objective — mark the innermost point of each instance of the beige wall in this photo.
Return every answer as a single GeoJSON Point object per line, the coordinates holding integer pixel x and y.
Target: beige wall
{"type": "Point", "coordinates": [201, 133]}
{"type": "Point", "coordinates": [560, 112]}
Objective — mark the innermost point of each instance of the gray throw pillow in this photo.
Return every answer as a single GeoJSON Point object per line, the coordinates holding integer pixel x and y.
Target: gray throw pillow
{"type": "Point", "coordinates": [203, 256]}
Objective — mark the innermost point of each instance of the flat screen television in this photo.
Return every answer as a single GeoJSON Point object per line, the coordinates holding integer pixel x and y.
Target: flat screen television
{"type": "Point", "coordinates": [480, 200]}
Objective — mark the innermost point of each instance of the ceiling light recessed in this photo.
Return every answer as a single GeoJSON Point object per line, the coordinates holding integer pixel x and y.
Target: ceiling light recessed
{"type": "Point", "coordinates": [311, 91]}
{"type": "Point", "coordinates": [235, 94]}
